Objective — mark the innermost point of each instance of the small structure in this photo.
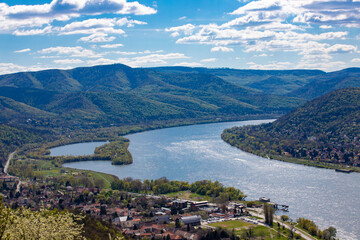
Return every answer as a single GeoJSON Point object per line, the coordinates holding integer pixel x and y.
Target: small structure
{"type": "Point", "coordinates": [197, 205]}
{"type": "Point", "coordinates": [264, 199]}
{"type": "Point", "coordinates": [180, 204]}
{"type": "Point", "coordinates": [191, 220]}
{"type": "Point", "coordinates": [162, 218]}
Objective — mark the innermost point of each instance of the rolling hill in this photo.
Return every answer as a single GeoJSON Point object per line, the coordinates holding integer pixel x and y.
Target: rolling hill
{"type": "Point", "coordinates": [118, 95]}
{"type": "Point", "coordinates": [325, 130]}
{"type": "Point", "coordinates": [349, 77]}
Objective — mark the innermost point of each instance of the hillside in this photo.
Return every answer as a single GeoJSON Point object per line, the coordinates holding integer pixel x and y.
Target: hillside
{"type": "Point", "coordinates": [325, 130]}
{"type": "Point", "coordinates": [117, 95]}
{"type": "Point", "coordinates": [329, 82]}
{"type": "Point", "coordinates": [277, 82]}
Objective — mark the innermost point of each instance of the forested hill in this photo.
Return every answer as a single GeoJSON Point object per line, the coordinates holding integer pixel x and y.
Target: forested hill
{"type": "Point", "coordinates": [117, 95]}
{"type": "Point", "coordinates": [324, 130]}
{"type": "Point", "coordinates": [35, 104]}
{"type": "Point", "coordinates": [277, 82]}
{"type": "Point", "coordinates": [349, 77]}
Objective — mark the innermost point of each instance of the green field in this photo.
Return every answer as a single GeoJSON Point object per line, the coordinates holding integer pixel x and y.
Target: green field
{"type": "Point", "coordinates": [247, 230]}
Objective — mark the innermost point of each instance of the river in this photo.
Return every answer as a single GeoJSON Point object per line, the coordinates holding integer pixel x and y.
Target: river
{"type": "Point", "coordinates": [197, 152]}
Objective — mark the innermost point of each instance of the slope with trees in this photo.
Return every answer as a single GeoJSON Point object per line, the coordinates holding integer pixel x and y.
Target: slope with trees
{"type": "Point", "coordinates": [322, 132]}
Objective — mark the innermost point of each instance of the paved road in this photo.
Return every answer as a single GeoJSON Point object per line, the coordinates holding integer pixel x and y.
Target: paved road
{"type": "Point", "coordinates": [8, 161]}
{"type": "Point", "coordinates": [6, 169]}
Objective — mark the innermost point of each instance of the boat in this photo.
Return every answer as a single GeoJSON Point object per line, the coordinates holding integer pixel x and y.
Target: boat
{"type": "Point", "coordinates": [343, 170]}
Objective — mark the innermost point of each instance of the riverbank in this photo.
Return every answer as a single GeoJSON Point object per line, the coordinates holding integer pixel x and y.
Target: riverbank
{"type": "Point", "coordinates": [300, 161]}
{"type": "Point", "coordinates": [226, 137]}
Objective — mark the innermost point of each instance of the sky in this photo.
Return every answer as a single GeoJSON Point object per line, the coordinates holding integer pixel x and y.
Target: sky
{"type": "Point", "coordinates": [241, 34]}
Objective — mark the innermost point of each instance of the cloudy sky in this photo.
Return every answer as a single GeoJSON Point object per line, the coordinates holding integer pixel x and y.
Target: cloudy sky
{"type": "Point", "coordinates": [259, 34]}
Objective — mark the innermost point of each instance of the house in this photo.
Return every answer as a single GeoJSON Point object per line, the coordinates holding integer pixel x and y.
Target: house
{"type": "Point", "coordinates": [163, 218]}
{"type": "Point", "coordinates": [191, 220]}
{"type": "Point", "coordinates": [180, 204]}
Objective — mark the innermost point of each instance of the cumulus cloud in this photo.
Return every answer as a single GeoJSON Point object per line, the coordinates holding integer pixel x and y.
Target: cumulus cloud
{"type": "Point", "coordinates": [112, 45]}
{"type": "Point", "coordinates": [20, 16]}
{"type": "Point", "coordinates": [222, 49]}
{"type": "Point", "coordinates": [68, 61]}
{"type": "Point", "coordinates": [23, 50]}
{"type": "Point", "coordinates": [143, 59]}
{"type": "Point", "coordinates": [272, 65]}
{"type": "Point", "coordinates": [70, 51]}
{"type": "Point", "coordinates": [208, 60]}
{"type": "Point", "coordinates": [98, 37]}
{"type": "Point", "coordinates": [6, 68]}
{"type": "Point", "coordinates": [280, 26]}
{"type": "Point", "coordinates": [188, 64]}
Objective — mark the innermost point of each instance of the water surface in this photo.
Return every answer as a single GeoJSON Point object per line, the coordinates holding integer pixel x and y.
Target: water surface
{"type": "Point", "coordinates": [77, 149]}
{"type": "Point", "coordinates": [197, 152]}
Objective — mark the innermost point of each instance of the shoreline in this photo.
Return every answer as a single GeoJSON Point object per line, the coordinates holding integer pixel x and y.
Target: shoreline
{"type": "Point", "coordinates": [303, 162]}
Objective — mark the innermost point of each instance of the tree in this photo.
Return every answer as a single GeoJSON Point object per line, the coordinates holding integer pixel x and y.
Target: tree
{"type": "Point", "coordinates": [268, 214]}
{"type": "Point", "coordinates": [177, 223]}
{"type": "Point", "coordinates": [329, 233]}
{"type": "Point", "coordinates": [284, 218]}
{"type": "Point", "coordinates": [45, 224]}
{"type": "Point", "coordinates": [173, 210]}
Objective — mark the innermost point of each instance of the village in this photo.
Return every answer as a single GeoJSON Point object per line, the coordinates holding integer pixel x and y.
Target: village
{"type": "Point", "coordinates": [135, 215]}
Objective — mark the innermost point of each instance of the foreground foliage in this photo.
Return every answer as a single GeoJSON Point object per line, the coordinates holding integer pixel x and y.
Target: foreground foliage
{"type": "Point", "coordinates": [22, 223]}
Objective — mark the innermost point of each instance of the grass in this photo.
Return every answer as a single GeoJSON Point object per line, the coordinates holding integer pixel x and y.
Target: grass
{"type": "Point", "coordinates": [188, 195]}
{"type": "Point", "coordinates": [242, 228]}
{"type": "Point", "coordinates": [47, 168]}
{"type": "Point", "coordinates": [231, 224]}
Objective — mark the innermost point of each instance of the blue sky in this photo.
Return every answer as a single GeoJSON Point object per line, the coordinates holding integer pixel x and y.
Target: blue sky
{"type": "Point", "coordinates": [261, 34]}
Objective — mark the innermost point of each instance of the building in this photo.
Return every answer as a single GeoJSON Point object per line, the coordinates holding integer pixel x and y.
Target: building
{"type": "Point", "coordinates": [264, 199]}
{"type": "Point", "coordinates": [191, 220]}
{"type": "Point", "coordinates": [162, 218]}
{"type": "Point", "coordinates": [180, 204]}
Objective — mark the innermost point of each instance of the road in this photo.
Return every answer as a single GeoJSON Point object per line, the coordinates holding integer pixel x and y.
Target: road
{"type": "Point", "coordinates": [302, 233]}
{"type": "Point", "coordinates": [6, 169]}
{"type": "Point", "coordinates": [8, 162]}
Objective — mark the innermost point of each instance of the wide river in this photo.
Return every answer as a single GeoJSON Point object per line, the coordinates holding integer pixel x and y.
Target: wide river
{"type": "Point", "coordinates": [197, 152]}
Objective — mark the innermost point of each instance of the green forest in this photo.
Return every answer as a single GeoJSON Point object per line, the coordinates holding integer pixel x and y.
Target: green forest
{"type": "Point", "coordinates": [324, 131]}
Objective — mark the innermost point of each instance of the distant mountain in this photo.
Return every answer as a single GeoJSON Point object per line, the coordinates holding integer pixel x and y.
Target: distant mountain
{"type": "Point", "coordinates": [324, 130]}
{"type": "Point", "coordinates": [326, 83]}
{"type": "Point", "coordinates": [277, 82]}
{"type": "Point", "coordinates": [119, 95]}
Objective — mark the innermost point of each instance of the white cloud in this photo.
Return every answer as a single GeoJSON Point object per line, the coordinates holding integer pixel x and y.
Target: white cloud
{"type": "Point", "coordinates": [184, 29]}
{"type": "Point", "coordinates": [7, 68]}
{"type": "Point", "coordinates": [71, 51]}
{"type": "Point", "coordinates": [112, 45]}
{"type": "Point", "coordinates": [25, 16]}
{"type": "Point", "coordinates": [326, 26]}
{"type": "Point", "coordinates": [98, 37]}
{"type": "Point", "coordinates": [101, 61]}
{"type": "Point", "coordinates": [208, 60]}
{"type": "Point", "coordinates": [280, 26]}
{"type": "Point", "coordinates": [68, 61]}
{"type": "Point", "coordinates": [23, 50]}
{"type": "Point", "coordinates": [188, 64]}
{"type": "Point", "coordinates": [222, 49]}
{"type": "Point", "coordinates": [125, 53]}
{"type": "Point", "coordinates": [341, 48]}
{"type": "Point", "coordinates": [37, 31]}
{"type": "Point", "coordinates": [356, 60]}
{"type": "Point", "coordinates": [270, 66]}
{"type": "Point", "coordinates": [182, 18]}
